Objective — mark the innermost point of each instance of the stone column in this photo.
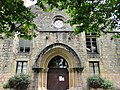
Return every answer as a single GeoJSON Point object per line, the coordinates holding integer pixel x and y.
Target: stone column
{"type": "Point", "coordinates": [78, 80]}
{"type": "Point", "coordinates": [42, 83]}
{"type": "Point", "coordinates": [36, 75]}
{"type": "Point", "coordinates": [75, 79]}
{"type": "Point", "coordinates": [35, 81]}
{"type": "Point", "coordinates": [71, 78]}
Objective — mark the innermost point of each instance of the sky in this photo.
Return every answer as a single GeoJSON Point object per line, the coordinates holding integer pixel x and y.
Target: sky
{"type": "Point", "coordinates": [29, 3]}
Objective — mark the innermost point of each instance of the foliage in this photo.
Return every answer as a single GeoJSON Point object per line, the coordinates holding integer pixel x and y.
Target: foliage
{"type": "Point", "coordinates": [98, 82]}
{"type": "Point", "coordinates": [16, 18]}
{"type": "Point", "coordinates": [19, 82]}
{"type": "Point", "coordinates": [88, 15]}
{"type": "Point", "coordinates": [5, 86]}
{"type": "Point", "coordinates": [108, 85]}
{"type": "Point", "coordinates": [95, 82]}
{"type": "Point", "coordinates": [117, 35]}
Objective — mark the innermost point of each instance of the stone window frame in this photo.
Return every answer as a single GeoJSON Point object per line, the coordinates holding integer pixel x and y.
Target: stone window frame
{"type": "Point", "coordinates": [94, 68]}
{"type": "Point", "coordinates": [91, 43]}
{"type": "Point", "coordinates": [58, 17]}
{"type": "Point", "coordinates": [22, 67]}
{"type": "Point", "coordinates": [24, 46]}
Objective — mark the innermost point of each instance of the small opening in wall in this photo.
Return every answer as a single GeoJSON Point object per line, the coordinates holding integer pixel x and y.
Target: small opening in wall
{"type": "Point", "coordinates": [5, 66]}
{"type": "Point", "coordinates": [46, 37]}
{"type": "Point", "coordinates": [69, 38]}
{"type": "Point", "coordinates": [58, 21]}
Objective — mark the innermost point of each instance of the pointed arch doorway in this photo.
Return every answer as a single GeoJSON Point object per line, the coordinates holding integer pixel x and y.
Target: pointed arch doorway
{"type": "Point", "coordinates": [58, 76]}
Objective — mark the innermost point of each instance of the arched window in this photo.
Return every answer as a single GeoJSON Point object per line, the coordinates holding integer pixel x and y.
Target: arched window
{"type": "Point", "coordinates": [58, 21]}
{"type": "Point", "coordinates": [58, 62]}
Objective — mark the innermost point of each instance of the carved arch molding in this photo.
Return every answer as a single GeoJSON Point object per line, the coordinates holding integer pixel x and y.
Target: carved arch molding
{"type": "Point", "coordinates": [78, 60]}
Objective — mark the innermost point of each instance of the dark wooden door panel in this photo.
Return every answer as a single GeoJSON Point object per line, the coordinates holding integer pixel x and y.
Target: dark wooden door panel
{"type": "Point", "coordinates": [58, 79]}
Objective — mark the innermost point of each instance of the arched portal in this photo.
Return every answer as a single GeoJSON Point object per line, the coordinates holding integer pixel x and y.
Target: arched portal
{"type": "Point", "coordinates": [62, 49]}
{"type": "Point", "coordinates": [46, 63]}
{"type": "Point", "coordinates": [58, 76]}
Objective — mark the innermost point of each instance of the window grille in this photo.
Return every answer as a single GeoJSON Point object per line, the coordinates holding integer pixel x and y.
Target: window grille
{"type": "Point", "coordinates": [94, 68]}
{"type": "Point", "coordinates": [24, 45]}
{"type": "Point", "coordinates": [21, 67]}
{"type": "Point", "coordinates": [91, 44]}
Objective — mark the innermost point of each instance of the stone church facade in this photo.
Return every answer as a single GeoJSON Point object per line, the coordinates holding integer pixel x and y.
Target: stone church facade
{"type": "Point", "coordinates": [57, 59]}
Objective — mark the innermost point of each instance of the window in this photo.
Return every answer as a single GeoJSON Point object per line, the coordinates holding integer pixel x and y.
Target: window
{"type": "Point", "coordinates": [91, 44]}
{"type": "Point", "coordinates": [24, 45]}
{"type": "Point", "coordinates": [21, 67]}
{"type": "Point", "coordinates": [58, 21]}
{"type": "Point", "coordinates": [94, 68]}
{"type": "Point", "coordinates": [58, 62]}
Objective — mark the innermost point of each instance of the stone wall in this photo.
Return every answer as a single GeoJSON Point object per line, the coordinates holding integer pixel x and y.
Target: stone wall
{"type": "Point", "coordinates": [109, 50]}
{"type": "Point", "coordinates": [6, 59]}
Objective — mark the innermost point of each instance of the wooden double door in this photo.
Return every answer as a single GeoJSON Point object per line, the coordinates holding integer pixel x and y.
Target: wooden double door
{"type": "Point", "coordinates": [58, 79]}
